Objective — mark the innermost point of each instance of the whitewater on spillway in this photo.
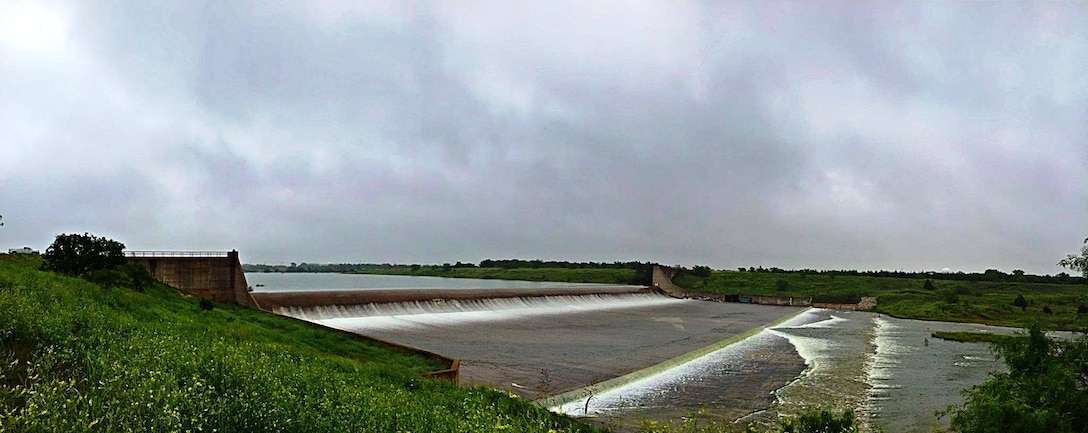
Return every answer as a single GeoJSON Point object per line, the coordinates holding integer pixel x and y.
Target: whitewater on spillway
{"type": "Point", "coordinates": [654, 390]}
{"type": "Point", "coordinates": [416, 314]}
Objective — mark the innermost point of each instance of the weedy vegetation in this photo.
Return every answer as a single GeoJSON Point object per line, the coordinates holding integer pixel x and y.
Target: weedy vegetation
{"type": "Point", "coordinates": [76, 356]}
{"type": "Point", "coordinates": [1005, 303]}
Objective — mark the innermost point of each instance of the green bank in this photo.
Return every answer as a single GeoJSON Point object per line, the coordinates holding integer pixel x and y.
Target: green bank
{"type": "Point", "coordinates": [1054, 306]}
{"type": "Point", "coordinates": [75, 356]}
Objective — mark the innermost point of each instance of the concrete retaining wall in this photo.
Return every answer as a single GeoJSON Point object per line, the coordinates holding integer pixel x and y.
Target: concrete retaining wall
{"type": "Point", "coordinates": [215, 276]}
{"type": "Point", "coordinates": [793, 301]}
{"type": "Point", "coordinates": [662, 280]}
{"type": "Point", "coordinates": [867, 303]}
{"type": "Point", "coordinates": [451, 373]}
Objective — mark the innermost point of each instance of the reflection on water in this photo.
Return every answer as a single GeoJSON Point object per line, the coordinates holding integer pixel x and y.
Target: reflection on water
{"type": "Point", "coordinates": [890, 370]}
{"type": "Point", "coordinates": [281, 282]}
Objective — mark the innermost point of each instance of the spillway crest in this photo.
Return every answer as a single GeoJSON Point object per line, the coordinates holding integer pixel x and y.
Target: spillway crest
{"type": "Point", "coordinates": [440, 312]}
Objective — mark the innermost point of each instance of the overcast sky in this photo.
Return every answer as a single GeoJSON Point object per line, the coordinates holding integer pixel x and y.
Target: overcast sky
{"type": "Point", "coordinates": [867, 135]}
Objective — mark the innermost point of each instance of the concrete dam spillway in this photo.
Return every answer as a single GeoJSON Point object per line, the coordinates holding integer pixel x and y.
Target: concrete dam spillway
{"type": "Point", "coordinates": [537, 342]}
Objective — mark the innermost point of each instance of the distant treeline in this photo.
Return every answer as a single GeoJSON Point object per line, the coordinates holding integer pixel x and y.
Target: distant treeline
{"type": "Point", "coordinates": [644, 268]}
{"type": "Point", "coordinates": [990, 275]}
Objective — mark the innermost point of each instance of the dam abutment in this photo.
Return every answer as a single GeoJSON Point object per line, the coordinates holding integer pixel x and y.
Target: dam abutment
{"type": "Point", "coordinates": [213, 275]}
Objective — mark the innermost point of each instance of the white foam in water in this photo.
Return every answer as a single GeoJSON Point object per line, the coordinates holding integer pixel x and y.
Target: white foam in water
{"type": "Point", "coordinates": [633, 393]}
{"type": "Point", "coordinates": [886, 356]}
{"type": "Point", "coordinates": [812, 350]}
{"type": "Point", "coordinates": [883, 363]}
{"type": "Point", "coordinates": [409, 315]}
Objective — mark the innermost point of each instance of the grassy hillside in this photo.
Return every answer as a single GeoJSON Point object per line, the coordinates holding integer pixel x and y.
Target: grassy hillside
{"type": "Point", "coordinates": [565, 275]}
{"type": "Point", "coordinates": [956, 301]}
{"type": "Point", "coordinates": [76, 357]}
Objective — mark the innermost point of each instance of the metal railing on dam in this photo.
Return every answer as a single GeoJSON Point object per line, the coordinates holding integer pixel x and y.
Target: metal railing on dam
{"type": "Point", "coordinates": [136, 254]}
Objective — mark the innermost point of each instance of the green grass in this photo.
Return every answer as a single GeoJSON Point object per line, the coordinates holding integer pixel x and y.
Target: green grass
{"type": "Point", "coordinates": [563, 275]}
{"type": "Point", "coordinates": [75, 357]}
{"type": "Point", "coordinates": [973, 336]}
{"type": "Point", "coordinates": [954, 301]}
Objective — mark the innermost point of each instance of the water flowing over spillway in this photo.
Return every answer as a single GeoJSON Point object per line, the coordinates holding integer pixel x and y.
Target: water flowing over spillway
{"type": "Point", "coordinates": [418, 314]}
{"type": "Point", "coordinates": [542, 346]}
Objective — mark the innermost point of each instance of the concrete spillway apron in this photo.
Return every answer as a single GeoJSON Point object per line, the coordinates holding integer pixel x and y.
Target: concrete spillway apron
{"type": "Point", "coordinates": [558, 400]}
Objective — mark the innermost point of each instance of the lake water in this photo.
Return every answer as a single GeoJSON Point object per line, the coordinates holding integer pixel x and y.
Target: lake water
{"type": "Point", "coordinates": [293, 282]}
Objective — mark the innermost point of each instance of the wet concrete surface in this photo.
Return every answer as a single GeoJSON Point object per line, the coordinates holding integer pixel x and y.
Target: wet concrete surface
{"type": "Point", "coordinates": [726, 385]}
{"type": "Point", "coordinates": [536, 355]}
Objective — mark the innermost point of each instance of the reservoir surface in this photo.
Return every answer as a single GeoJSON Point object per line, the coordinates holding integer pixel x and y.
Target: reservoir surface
{"type": "Point", "coordinates": [292, 282]}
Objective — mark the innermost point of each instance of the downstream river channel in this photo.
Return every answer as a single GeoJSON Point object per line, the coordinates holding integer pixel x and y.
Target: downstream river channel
{"type": "Point", "coordinates": [890, 370]}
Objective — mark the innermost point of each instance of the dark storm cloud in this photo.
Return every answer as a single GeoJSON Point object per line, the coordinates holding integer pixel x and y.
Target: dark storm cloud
{"type": "Point", "coordinates": [913, 136]}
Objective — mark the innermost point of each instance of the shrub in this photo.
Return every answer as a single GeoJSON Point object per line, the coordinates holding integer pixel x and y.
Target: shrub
{"type": "Point", "coordinates": [781, 285]}
{"type": "Point", "coordinates": [823, 421]}
{"type": "Point", "coordinates": [1043, 391]}
{"type": "Point", "coordinates": [1021, 302]}
{"type": "Point", "coordinates": [140, 277]}
{"type": "Point", "coordinates": [109, 278]}
{"type": "Point", "coordinates": [206, 304]}
{"type": "Point", "coordinates": [928, 285]}
{"type": "Point", "coordinates": [1047, 310]}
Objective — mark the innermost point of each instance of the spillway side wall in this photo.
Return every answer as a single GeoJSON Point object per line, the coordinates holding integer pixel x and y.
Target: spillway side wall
{"type": "Point", "coordinates": [220, 279]}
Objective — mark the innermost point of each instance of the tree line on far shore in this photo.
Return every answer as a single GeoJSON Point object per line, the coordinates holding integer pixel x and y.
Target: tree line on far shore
{"type": "Point", "coordinates": [990, 275]}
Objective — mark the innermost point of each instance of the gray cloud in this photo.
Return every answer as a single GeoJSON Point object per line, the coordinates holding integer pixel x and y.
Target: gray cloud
{"type": "Point", "coordinates": [913, 136]}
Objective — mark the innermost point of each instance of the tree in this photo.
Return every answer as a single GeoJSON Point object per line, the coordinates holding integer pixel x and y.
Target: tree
{"type": "Point", "coordinates": [1077, 263]}
{"type": "Point", "coordinates": [700, 271]}
{"type": "Point", "coordinates": [79, 255]}
{"type": "Point", "coordinates": [1045, 389]}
